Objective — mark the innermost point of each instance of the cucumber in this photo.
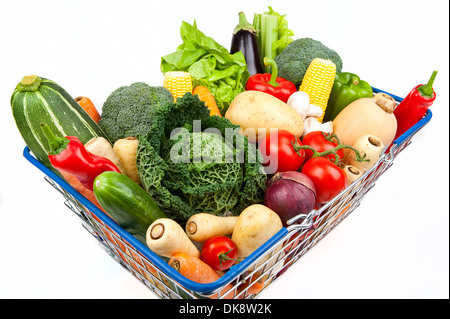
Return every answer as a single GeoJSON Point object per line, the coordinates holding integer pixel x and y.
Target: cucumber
{"type": "Point", "coordinates": [127, 203]}
{"type": "Point", "coordinates": [38, 100]}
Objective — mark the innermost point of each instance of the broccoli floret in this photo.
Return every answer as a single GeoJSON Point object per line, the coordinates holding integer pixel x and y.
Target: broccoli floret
{"type": "Point", "coordinates": [130, 110]}
{"type": "Point", "coordinates": [297, 56]}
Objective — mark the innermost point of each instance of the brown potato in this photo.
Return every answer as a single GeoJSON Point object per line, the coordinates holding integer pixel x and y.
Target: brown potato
{"type": "Point", "coordinates": [257, 113]}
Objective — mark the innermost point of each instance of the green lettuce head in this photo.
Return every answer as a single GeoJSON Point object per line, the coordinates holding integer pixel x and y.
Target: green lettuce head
{"type": "Point", "coordinates": [209, 64]}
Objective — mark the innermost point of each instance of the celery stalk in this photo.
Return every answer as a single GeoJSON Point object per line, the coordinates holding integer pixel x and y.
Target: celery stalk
{"type": "Point", "coordinates": [284, 33]}
{"type": "Point", "coordinates": [267, 25]}
{"type": "Point", "coordinates": [273, 33]}
{"type": "Point", "coordinates": [271, 36]}
{"type": "Point", "coordinates": [257, 24]}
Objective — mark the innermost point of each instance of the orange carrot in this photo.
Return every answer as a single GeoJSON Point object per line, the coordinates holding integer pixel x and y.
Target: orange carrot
{"type": "Point", "coordinates": [196, 270]}
{"type": "Point", "coordinates": [89, 107]}
{"type": "Point", "coordinates": [152, 270]}
{"type": "Point", "coordinates": [255, 285]}
{"type": "Point", "coordinates": [344, 210]}
{"type": "Point", "coordinates": [206, 96]}
{"type": "Point", "coordinates": [75, 183]}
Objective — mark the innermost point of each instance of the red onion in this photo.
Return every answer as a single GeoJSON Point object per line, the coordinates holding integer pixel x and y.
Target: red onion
{"type": "Point", "coordinates": [290, 194]}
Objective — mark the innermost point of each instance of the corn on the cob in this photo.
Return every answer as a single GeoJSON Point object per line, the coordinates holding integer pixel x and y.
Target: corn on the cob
{"type": "Point", "coordinates": [318, 82]}
{"type": "Point", "coordinates": [178, 83]}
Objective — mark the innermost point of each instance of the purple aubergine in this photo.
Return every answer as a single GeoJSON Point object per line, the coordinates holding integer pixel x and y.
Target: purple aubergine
{"type": "Point", "coordinates": [290, 194]}
{"type": "Point", "coordinates": [244, 40]}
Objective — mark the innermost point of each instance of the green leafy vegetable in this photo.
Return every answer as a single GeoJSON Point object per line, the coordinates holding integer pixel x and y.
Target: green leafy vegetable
{"type": "Point", "coordinates": [190, 167]}
{"type": "Point", "coordinates": [209, 64]}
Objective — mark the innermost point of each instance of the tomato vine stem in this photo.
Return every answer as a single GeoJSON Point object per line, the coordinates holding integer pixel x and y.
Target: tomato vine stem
{"type": "Point", "coordinates": [333, 151]}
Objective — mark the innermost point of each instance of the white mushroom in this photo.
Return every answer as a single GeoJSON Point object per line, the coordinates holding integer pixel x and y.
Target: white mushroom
{"type": "Point", "coordinates": [299, 101]}
{"type": "Point", "coordinates": [312, 124]}
{"type": "Point", "coordinates": [315, 111]}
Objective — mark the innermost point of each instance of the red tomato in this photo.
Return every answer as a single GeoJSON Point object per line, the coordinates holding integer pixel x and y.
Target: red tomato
{"type": "Point", "coordinates": [317, 140]}
{"type": "Point", "coordinates": [279, 154]}
{"type": "Point", "coordinates": [328, 178]}
{"type": "Point", "coordinates": [219, 252]}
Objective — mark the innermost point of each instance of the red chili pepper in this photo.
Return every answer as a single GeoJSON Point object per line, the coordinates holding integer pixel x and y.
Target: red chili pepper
{"type": "Point", "coordinates": [413, 108]}
{"type": "Point", "coordinates": [271, 84]}
{"type": "Point", "coordinates": [68, 154]}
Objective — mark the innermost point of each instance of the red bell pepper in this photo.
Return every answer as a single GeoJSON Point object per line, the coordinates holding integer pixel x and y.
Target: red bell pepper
{"type": "Point", "coordinates": [413, 108]}
{"type": "Point", "coordinates": [270, 83]}
{"type": "Point", "coordinates": [69, 155]}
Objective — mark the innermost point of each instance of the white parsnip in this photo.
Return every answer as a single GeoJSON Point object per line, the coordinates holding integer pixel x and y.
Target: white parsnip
{"type": "Point", "coordinates": [101, 147]}
{"type": "Point", "coordinates": [370, 146]}
{"type": "Point", "coordinates": [126, 149]}
{"type": "Point", "coordinates": [200, 227]}
{"type": "Point", "coordinates": [165, 237]}
{"type": "Point", "coordinates": [352, 173]}
{"type": "Point", "coordinates": [256, 224]}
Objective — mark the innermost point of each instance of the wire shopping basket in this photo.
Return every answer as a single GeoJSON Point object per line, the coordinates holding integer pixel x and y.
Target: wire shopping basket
{"type": "Point", "coordinates": [255, 273]}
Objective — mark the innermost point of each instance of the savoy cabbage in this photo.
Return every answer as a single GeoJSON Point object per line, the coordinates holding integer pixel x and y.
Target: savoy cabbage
{"type": "Point", "coordinates": [191, 162]}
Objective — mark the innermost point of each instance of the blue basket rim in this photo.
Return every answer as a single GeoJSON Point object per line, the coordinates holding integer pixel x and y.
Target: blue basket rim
{"type": "Point", "coordinates": [157, 261]}
{"type": "Point", "coordinates": [161, 264]}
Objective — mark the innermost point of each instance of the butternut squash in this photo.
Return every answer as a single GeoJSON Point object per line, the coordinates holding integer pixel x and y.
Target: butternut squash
{"type": "Point", "coordinates": [367, 116]}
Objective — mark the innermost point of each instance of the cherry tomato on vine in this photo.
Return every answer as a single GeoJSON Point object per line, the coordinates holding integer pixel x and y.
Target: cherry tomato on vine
{"type": "Point", "coordinates": [321, 142]}
{"type": "Point", "coordinates": [328, 178]}
{"type": "Point", "coordinates": [219, 252]}
{"type": "Point", "coordinates": [279, 154]}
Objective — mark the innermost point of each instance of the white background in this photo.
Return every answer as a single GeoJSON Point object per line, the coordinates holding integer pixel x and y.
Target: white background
{"type": "Point", "coordinates": [395, 245]}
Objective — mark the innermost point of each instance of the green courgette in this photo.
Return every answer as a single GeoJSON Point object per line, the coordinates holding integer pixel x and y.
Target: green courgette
{"type": "Point", "coordinates": [128, 204]}
{"type": "Point", "coordinates": [36, 100]}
